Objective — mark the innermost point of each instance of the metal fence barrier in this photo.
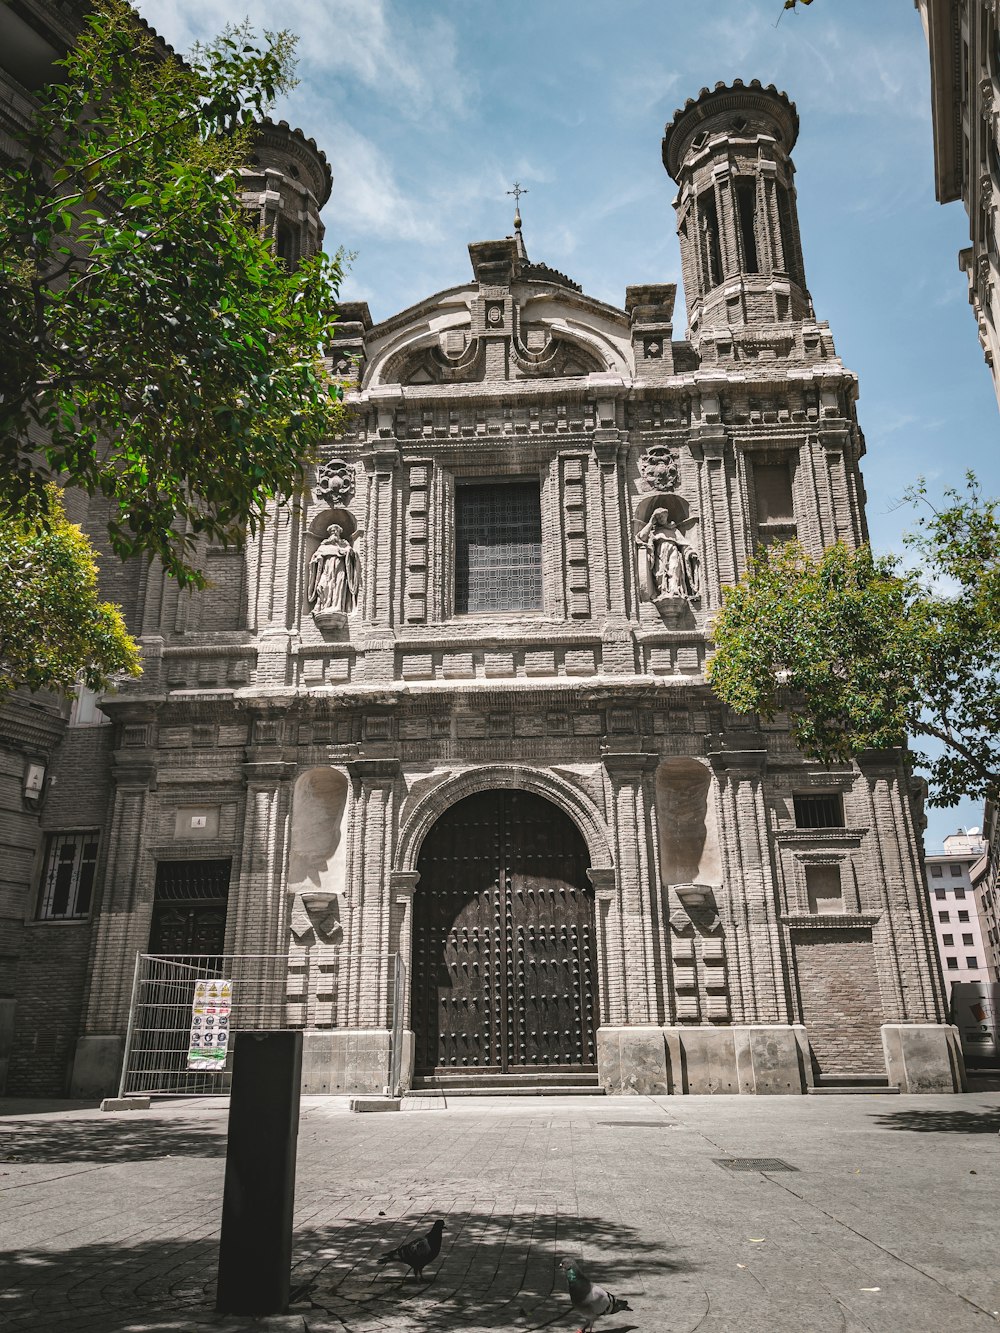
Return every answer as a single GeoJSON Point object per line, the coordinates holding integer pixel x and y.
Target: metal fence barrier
{"type": "Point", "coordinates": [265, 991]}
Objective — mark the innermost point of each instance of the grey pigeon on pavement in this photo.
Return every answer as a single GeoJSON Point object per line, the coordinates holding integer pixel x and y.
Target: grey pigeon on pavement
{"type": "Point", "coordinates": [589, 1299]}
{"type": "Point", "coordinates": [417, 1253]}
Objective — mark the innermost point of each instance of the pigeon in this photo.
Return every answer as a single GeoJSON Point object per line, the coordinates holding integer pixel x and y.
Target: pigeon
{"type": "Point", "coordinates": [417, 1253]}
{"type": "Point", "coordinates": [589, 1299]}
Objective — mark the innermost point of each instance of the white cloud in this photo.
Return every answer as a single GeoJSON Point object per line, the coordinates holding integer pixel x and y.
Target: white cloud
{"type": "Point", "coordinates": [366, 196]}
{"type": "Point", "coordinates": [409, 59]}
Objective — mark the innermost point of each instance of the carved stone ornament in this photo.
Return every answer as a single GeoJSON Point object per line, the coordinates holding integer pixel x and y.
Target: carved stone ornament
{"type": "Point", "coordinates": [335, 482]}
{"type": "Point", "coordinates": [659, 468]}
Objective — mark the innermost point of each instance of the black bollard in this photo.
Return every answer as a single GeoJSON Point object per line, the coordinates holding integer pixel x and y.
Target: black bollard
{"type": "Point", "coordinates": [255, 1250]}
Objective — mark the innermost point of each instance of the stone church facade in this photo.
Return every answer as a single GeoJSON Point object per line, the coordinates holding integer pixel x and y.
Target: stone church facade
{"type": "Point", "coordinates": [452, 704]}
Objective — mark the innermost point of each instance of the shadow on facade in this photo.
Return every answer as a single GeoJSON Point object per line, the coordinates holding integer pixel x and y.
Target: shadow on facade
{"type": "Point", "coordinates": [496, 1271]}
{"type": "Point", "coordinates": [110, 1141]}
{"type": "Point", "coordinates": [941, 1122]}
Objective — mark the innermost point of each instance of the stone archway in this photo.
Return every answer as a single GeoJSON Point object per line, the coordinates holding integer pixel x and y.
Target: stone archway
{"type": "Point", "coordinates": [504, 947]}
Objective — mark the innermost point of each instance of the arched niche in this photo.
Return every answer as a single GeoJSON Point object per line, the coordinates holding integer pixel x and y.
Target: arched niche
{"type": "Point", "coordinates": [318, 859]}
{"type": "Point", "coordinates": [675, 505]}
{"type": "Point", "coordinates": [688, 823]}
{"type": "Point", "coordinates": [319, 526]}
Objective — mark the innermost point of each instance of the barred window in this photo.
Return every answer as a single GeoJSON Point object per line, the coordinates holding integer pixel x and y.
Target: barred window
{"type": "Point", "coordinates": [68, 883]}
{"type": "Point", "coordinates": [818, 811]}
{"type": "Point", "coordinates": [498, 547]}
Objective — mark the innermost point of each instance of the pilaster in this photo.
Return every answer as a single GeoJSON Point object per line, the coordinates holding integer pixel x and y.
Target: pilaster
{"type": "Point", "coordinates": [739, 761]}
{"type": "Point", "coordinates": [374, 819]}
{"type": "Point", "coordinates": [633, 927]}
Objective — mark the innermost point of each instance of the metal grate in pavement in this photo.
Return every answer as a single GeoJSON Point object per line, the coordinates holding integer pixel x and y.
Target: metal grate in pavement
{"type": "Point", "coordinates": [638, 1124]}
{"type": "Point", "coordinates": [763, 1164]}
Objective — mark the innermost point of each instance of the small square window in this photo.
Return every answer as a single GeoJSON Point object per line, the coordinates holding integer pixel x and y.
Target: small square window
{"type": "Point", "coordinates": [948, 941]}
{"type": "Point", "coordinates": [971, 961]}
{"type": "Point", "coordinates": [963, 916]}
{"type": "Point", "coordinates": [952, 963]}
{"type": "Point", "coordinates": [937, 871]}
{"type": "Point", "coordinates": [967, 939]}
{"type": "Point", "coordinates": [959, 893]}
{"type": "Point", "coordinates": [940, 893]}
{"type": "Point", "coordinates": [818, 811]}
{"type": "Point", "coordinates": [956, 871]}
{"type": "Point", "coordinates": [68, 881]}
{"type": "Point", "coordinates": [944, 916]}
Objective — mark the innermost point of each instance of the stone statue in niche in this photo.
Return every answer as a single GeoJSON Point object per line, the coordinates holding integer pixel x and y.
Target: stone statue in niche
{"type": "Point", "coordinates": [334, 577]}
{"type": "Point", "coordinates": [670, 569]}
{"type": "Point", "coordinates": [335, 482]}
{"type": "Point", "coordinates": [659, 468]}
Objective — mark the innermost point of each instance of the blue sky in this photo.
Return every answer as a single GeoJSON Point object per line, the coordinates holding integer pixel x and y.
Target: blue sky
{"type": "Point", "coordinates": [429, 109]}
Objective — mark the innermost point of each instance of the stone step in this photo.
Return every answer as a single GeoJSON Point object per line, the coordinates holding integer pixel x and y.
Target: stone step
{"type": "Point", "coordinates": [517, 1090]}
{"type": "Point", "coordinates": [580, 1081]}
{"type": "Point", "coordinates": [582, 1076]}
{"type": "Point", "coordinates": [852, 1090]}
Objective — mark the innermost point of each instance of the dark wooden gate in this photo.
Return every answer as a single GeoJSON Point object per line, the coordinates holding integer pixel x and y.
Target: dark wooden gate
{"type": "Point", "coordinates": [503, 939]}
{"type": "Point", "coordinates": [189, 907]}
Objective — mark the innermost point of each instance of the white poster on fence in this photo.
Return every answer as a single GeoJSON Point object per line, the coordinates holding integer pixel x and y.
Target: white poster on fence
{"type": "Point", "coordinates": [209, 1041]}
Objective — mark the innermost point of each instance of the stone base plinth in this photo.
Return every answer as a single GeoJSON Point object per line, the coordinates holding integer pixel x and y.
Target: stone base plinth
{"type": "Point", "coordinates": [97, 1066]}
{"type": "Point", "coordinates": [924, 1057]}
{"type": "Point", "coordinates": [761, 1059]}
{"type": "Point", "coordinates": [346, 1061]}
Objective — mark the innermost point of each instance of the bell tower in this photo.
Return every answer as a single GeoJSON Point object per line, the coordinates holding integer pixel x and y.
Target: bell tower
{"type": "Point", "coordinates": [286, 182]}
{"type": "Point", "coordinates": [729, 150]}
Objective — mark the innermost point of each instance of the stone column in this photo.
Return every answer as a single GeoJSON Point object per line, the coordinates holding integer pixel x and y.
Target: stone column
{"type": "Point", "coordinates": [739, 761]}
{"type": "Point", "coordinates": [613, 589]}
{"type": "Point", "coordinates": [633, 919]}
{"type": "Point", "coordinates": [382, 558]}
{"type": "Point", "coordinates": [708, 446]}
{"type": "Point", "coordinates": [403, 884]}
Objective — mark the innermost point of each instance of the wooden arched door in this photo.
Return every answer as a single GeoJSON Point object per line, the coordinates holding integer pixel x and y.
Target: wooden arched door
{"type": "Point", "coordinates": [504, 975]}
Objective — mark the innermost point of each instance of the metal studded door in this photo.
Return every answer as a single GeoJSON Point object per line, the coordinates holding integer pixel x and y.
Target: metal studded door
{"type": "Point", "coordinates": [189, 907]}
{"type": "Point", "coordinates": [503, 940]}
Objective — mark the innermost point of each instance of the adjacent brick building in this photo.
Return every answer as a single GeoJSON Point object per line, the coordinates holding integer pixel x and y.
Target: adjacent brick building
{"type": "Point", "coordinates": [452, 704]}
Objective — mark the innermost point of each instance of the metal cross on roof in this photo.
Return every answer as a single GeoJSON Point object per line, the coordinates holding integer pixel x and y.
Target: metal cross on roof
{"type": "Point", "coordinates": [517, 191]}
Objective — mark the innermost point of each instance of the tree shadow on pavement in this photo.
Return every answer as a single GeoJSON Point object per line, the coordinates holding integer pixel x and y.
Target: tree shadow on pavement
{"type": "Point", "coordinates": [934, 1121]}
{"type": "Point", "coordinates": [495, 1271]}
{"type": "Point", "coordinates": [35, 1142]}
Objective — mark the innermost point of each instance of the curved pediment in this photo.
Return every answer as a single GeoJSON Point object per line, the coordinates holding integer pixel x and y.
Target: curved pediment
{"type": "Point", "coordinates": [532, 330]}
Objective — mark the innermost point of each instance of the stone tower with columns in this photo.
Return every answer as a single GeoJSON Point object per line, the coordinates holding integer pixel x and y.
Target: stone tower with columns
{"type": "Point", "coordinates": [452, 708]}
{"type": "Point", "coordinates": [741, 253]}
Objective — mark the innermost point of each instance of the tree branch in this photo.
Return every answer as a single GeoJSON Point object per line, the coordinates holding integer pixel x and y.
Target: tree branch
{"type": "Point", "coordinates": [928, 729]}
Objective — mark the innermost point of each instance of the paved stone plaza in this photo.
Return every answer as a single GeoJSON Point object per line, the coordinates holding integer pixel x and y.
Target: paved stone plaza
{"type": "Point", "coordinates": [889, 1221]}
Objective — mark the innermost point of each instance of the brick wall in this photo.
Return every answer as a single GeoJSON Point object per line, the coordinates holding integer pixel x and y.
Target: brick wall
{"type": "Point", "coordinates": [50, 979]}
{"type": "Point", "coordinates": [841, 1007]}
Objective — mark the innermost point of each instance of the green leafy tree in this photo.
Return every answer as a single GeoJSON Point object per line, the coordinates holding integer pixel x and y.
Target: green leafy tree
{"type": "Point", "coordinates": [156, 351]}
{"type": "Point", "coordinates": [863, 652]}
{"type": "Point", "coordinates": [54, 629]}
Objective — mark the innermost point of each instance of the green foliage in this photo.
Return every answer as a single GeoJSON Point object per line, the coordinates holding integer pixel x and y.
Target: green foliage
{"type": "Point", "coordinates": [53, 629]}
{"type": "Point", "coordinates": [862, 651]}
{"type": "Point", "coordinates": [152, 340]}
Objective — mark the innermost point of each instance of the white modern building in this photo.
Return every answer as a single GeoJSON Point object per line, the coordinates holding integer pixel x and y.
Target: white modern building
{"type": "Point", "coordinates": [961, 937]}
